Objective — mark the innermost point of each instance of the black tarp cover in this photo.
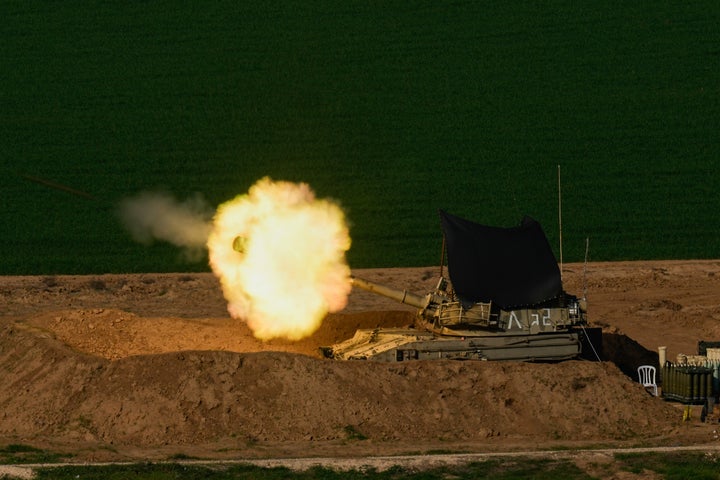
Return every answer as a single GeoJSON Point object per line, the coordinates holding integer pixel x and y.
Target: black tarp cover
{"type": "Point", "coordinates": [512, 267]}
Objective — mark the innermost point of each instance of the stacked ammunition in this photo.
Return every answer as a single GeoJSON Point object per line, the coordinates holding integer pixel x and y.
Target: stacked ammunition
{"type": "Point", "coordinates": [693, 379]}
{"type": "Point", "coordinates": [688, 384]}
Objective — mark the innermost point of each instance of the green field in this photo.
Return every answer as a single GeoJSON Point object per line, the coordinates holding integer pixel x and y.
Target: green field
{"type": "Point", "coordinates": [670, 466]}
{"type": "Point", "coordinates": [394, 109]}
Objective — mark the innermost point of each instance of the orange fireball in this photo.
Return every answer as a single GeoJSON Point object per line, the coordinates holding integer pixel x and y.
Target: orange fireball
{"type": "Point", "coordinates": [287, 269]}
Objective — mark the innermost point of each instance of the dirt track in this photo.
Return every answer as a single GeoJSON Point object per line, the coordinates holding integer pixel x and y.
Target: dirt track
{"type": "Point", "coordinates": [595, 462]}
{"type": "Point", "coordinates": [127, 367]}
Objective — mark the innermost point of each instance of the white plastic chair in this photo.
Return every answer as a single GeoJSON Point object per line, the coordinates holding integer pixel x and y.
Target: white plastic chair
{"type": "Point", "coordinates": [646, 376]}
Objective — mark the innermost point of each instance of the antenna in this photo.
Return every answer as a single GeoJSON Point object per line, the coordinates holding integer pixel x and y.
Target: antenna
{"type": "Point", "coordinates": [560, 220]}
{"type": "Point", "coordinates": [587, 247]}
{"type": "Point", "coordinates": [442, 256]}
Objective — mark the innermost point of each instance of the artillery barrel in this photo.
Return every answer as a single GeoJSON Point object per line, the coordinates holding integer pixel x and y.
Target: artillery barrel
{"type": "Point", "coordinates": [402, 296]}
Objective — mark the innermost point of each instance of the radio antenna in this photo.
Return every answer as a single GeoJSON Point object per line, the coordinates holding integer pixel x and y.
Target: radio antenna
{"type": "Point", "coordinates": [587, 248]}
{"type": "Point", "coordinates": [560, 220]}
{"type": "Point", "coordinates": [442, 256]}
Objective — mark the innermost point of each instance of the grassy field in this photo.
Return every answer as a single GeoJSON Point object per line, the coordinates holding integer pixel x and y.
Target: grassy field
{"type": "Point", "coordinates": [670, 466]}
{"type": "Point", "coordinates": [393, 109]}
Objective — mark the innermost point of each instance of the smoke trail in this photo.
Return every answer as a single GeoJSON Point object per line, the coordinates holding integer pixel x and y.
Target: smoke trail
{"type": "Point", "coordinates": [278, 251]}
{"type": "Point", "coordinates": [157, 216]}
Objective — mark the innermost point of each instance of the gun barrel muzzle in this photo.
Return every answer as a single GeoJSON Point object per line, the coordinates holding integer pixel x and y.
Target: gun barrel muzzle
{"type": "Point", "coordinates": [402, 296]}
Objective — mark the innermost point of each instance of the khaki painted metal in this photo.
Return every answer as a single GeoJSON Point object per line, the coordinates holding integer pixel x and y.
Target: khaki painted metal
{"type": "Point", "coordinates": [447, 329]}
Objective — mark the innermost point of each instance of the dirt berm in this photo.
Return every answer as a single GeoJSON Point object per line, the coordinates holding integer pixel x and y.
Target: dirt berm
{"type": "Point", "coordinates": [146, 366]}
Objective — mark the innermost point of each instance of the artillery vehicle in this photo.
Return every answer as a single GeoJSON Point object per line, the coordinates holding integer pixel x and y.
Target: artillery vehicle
{"type": "Point", "coordinates": [504, 301]}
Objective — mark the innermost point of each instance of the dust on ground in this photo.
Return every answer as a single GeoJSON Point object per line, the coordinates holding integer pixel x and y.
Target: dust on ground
{"type": "Point", "coordinates": [147, 367]}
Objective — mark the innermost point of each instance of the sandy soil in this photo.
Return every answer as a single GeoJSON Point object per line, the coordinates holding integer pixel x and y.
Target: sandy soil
{"type": "Point", "coordinates": [144, 367]}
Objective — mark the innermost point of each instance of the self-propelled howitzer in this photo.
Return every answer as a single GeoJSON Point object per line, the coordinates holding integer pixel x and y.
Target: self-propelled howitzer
{"type": "Point", "coordinates": [543, 323]}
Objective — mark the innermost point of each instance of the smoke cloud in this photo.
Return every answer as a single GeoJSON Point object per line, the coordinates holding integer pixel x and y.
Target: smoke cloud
{"type": "Point", "coordinates": [278, 251]}
{"type": "Point", "coordinates": [151, 216]}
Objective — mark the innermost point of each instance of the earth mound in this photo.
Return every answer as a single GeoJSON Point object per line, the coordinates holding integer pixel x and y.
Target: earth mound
{"type": "Point", "coordinates": [92, 363]}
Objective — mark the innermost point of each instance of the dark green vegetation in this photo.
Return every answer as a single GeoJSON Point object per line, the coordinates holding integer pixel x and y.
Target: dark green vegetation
{"type": "Point", "coordinates": [500, 470]}
{"type": "Point", "coordinates": [673, 466]}
{"type": "Point", "coordinates": [670, 466]}
{"type": "Point", "coordinates": [18, 454]}
{"type": "Point", "coordinates": [395, 109]}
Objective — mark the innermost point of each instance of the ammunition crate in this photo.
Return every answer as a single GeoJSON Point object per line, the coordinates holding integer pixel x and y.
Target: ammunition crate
{"type": "Point", "coordinates": [688, 384]}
